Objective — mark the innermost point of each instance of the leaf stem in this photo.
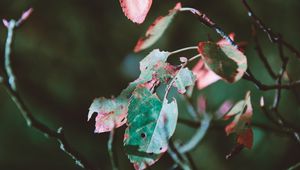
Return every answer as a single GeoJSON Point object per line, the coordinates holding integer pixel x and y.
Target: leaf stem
{"type": "Point", "coordinates": [184, 49]}
{"type": "Point", "coordinates": [112, 156]}
{"type": "Point", "coordinates": [7, 62]}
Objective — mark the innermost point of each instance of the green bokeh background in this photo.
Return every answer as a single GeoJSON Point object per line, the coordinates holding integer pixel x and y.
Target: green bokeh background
{"type": "Point", "coordinates": [71, 51]}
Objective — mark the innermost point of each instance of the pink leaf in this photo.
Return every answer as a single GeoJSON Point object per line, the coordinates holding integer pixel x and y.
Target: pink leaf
{"type": "Point", "coordinates": [204, 75]}
{"type": "Point", "coordinates": [136, 10]}
{"type": "Point", "coordinates": [240, 125]}
{"type": "Point", "coordinates": [111, 113]}
{"type": "Point", "coordinates": [156, 30]}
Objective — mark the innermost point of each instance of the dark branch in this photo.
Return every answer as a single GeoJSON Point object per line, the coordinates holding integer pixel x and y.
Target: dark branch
{"type": "Point", "coordinates": [250, 77]}
{"type": "Point", "coordinates": [279, 79]}
{"type": "Point", "coordinates": [11, 87]}
{"type": "Point", "coordinates": [209, 23]}
{"type": "Point", "coordinates": [261, 55]}
{"type": "Point", "coordinates": [279, 121]}
{"type": "Point", "coordinates": [274, 37]}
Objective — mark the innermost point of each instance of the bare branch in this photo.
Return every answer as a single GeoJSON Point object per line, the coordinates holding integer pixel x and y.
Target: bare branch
{"type": "Point", "coordinates": [274, 37]}
{"type": "Point", "coordinates": [11, 87]}
{"type": "Point", "coordinates": [261, 55]}
{"type": "Point", "coordinates": [250, 77]}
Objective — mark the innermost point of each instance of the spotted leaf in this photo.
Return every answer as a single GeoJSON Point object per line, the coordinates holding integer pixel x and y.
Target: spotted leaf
{"type": "Point", "coordinates": [151, 123]}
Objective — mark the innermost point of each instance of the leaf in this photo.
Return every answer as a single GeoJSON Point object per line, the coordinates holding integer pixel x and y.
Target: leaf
{"type": "Point", "coordinates": [224, 59]}
{"type": "Point", "coordinates": [111, 113]}
{"type": "Point", "coordinates": [246, 138]}
{"type": "Point", "coordinates": [136, 10]}
{"type": "Point", "coordinates": [242, 112]}
{"type": "Point", "coordinates": [204, 75]}
{"type": "Point", "coordinates": [150, 124]}
{"type": "Point", "coordinates": [156, 30]}
{"type": "Point", "coordinates": [184, 78]}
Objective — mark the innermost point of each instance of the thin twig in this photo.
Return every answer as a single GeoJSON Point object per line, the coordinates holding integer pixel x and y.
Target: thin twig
{"type": "Point", "coordinates": [278, 120]}
{"type": "Point", "coordinates": [11, 87]}
{"type": "Point", "coordinates": [294, 167]}
{"type": "Point", "coordinates": [263, 87]}
{"type": "Point", "coordinates": [112, 156]}
{"type": "Point", "coordinates": [261, 54]}
{"type": "Point", "coordinates": [284, 59]}
{"type": "Point", "coordinates": [214, 125]}
{"type": "Point", "coordinates": [274, 37]}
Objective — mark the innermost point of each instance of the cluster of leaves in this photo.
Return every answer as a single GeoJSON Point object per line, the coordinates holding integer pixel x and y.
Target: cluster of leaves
{"type": "Point", "coordinates": [150, 120]}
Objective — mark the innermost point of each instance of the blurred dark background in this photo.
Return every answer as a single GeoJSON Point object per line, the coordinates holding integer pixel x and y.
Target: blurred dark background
{"type": "Point", "coordinates": [71, 51]}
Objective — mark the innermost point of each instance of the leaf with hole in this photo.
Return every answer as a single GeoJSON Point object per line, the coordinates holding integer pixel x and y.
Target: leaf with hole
{"type": "Point", "coordinates": [156, 30]}
{"type": "Point", "coordinates": [111, 113]}
{"type": "Point", "coordinates": [151, 123]}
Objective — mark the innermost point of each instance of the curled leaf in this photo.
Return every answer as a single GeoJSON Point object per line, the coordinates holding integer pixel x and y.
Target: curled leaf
{"type": "Point", "coordinates": [136, 10]}
{"type": "Point", "coordinates": [184, 78]}
{"type": "Point", "coordinates": [242, 112]}
{"type": "Point", "coordinates": [156, 30]}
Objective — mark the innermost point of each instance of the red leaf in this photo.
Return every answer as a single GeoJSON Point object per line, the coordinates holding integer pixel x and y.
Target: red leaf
{"type": "Point", "coordinates": [246, 138]}
{"type": "Point", "coordinates": [204, 75]}
{"type": "Point", "coordinates": [136, 10]}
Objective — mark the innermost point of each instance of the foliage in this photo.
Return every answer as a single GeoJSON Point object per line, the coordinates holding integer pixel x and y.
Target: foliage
{"type": "Point", "coordinates": [148, 109]}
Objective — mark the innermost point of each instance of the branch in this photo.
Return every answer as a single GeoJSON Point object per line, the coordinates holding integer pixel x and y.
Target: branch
{"type": "Point", "coordinates": [198, 136]}
{"type": "Point", "coordinates": [274, 37]}
{"type": "Point", "coordinates": [294, 167]}
{"type": "Point", "coordinates": [178, 157]}
{"type": "Point", "coordinates": [261, 54]}
{"type": "Point", "coordinates": [214, 125]}
{"type": "Point", "coordinates": [250, 77]}
{"type": "Point", "coordinates": [209, 23]}
{"type": "Point", "coordinates": [279, 79]}
{"type": "Point", "coordinates": [11, 87]}
{"type": "Point", "coordinates": [279, 121]}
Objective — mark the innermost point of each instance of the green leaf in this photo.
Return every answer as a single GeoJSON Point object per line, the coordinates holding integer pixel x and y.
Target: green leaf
{"type": "Point", "coordinates": [156, 30]}
{"type": "Point", "coordinates": [184, 78]}
{"type": "Point", "coordinates": [154, 68]}
{"type": "Point", "coordinates": [150, 124]}
{"type": "Point", "coordinates": [111, 113]}
{"type": "Point", "coordinates": [224, 59]}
